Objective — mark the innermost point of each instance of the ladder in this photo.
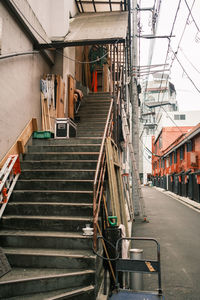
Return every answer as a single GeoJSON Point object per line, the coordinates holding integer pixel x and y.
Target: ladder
{"type": "Point", "coordinates": [138, 200]}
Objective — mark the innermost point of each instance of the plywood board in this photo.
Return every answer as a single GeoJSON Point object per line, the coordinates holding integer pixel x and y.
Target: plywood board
{"type": "Point", "coordinates": [70, 97]}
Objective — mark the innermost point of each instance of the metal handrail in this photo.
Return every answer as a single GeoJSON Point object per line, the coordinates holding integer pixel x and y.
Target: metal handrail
{"type": "Point", "coordinates": [101, 167]}
{"type": "Point", "coordinates": [100, 173]}
{"type": "Point", "coordinates": [8, 178]}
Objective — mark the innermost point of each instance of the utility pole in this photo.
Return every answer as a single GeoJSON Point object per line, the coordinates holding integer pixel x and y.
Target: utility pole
{"type": "Point", "coordinates": [134, 96]}
{"type": "Point", "coordinates": [136, 190]}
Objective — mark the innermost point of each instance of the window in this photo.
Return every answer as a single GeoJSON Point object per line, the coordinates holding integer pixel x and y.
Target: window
{"type": "Point", "coordinates": [181, 152]}
{"type": "Point", "coordinates": [179, 117]}
{"type": "Point", "coordinates": [175, 157]}
{"type": "Point", "coordinates": [189, 146]}
{"type": "Point", "coordinates": [182, 117]}
{"type": "Point", "coordinates": [167, 162]}
{"type": "Point", "coordinates": [171, 158]}
{"type": "Point", "coordinates": [163, 163]}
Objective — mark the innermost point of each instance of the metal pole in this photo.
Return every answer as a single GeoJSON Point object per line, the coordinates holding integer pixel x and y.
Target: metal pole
{"type": "Point", "coordinates": [136, 279]}
{"type": "Point", "coordinates": [134, 96]}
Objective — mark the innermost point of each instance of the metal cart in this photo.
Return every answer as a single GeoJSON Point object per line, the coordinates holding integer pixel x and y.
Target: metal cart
{"type": "Point", "coordinates": [139, 266]}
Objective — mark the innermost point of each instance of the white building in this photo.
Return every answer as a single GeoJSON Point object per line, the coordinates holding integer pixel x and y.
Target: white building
{"type": "Point", "coordinates": [158, 95]}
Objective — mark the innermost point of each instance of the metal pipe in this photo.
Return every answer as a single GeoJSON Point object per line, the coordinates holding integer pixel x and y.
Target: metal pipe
{"type": "Point", "coordinates": [18, 54]}
{"type": "Point", "coordinates": [136, 278]}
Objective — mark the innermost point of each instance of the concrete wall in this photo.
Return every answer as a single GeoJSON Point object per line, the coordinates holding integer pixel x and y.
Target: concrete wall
{"type": "Point", "coordinates": [20, 76]}
{"type": "Point", "coordinates": [19, 82]}
{"type": "Point", "coordinates": [54, 15]}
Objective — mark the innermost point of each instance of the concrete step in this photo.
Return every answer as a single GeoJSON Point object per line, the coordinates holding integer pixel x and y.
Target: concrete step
{"type": "Point", "coordinates": [45, 223]}
{"type": "Point", "coordinates": [81, 293]}
{"type": "Point", "coordinates": [90, 133]}
{"type": "Point", "coordinates": [61, 156]}
{"type": "Point", "coordinates": [94, 109]}
{"type": "Point", "coordinates": [65, 148]}
{"type": "Point", "coordinates": [59, 164]}
{"type": "Point", "coordinates": [46, 239]}
{"type": "Point", "coordinates": [20, 281]}
{"type": "Point", "coordinates": [93, 115]}
{"type": "Point", "coordinates": [56, 184]}
{"type": "Point", "coordinates": [95, 106]}
{"type": "Point", "coordinates": [90, 126]}
{"type": "Point", "coordinates": [72, 196]}
{"type": "Point", "coordinates": [57, 174]}
{"type": "Point", "coordinates": [49, 208]}
{"type": "Point", "coordinates": [92, 118]}
{"type": "Point", "coordinates": [69, 141]}
{"type": "Point", "coordinates": [50, 258]}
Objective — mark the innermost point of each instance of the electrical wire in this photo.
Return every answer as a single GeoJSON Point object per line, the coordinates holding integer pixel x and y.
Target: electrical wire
{"type": "Point", "coordinates": [156, 12]}
{"type": "Point", "coordinates": [189, 61]}
{"type": "Point", "coordinates": [50, 46]}
{"type": "Point", "coordinates": [165, 63]}
{"type": "Point", "coordinates": [192, 16]}
{"type": "Point", "coordinates": [186, 23]}
{"type": "Point", "coordinates": [178, 47]}
{"type": "Point", "coordinates": [198, 90]}
{"type": "Point", "coordinates": [169, 42]}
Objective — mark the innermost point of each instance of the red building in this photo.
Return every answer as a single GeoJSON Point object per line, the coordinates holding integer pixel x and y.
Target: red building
{"type": "Point", "coordinates": [176, 160]}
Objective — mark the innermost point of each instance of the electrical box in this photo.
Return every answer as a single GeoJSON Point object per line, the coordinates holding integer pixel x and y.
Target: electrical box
{"type": "Point", "coordinates": [64, 128]}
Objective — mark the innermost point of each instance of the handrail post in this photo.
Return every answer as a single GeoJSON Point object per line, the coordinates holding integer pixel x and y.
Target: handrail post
{"type": "Point", "coordinates": [94, 219]}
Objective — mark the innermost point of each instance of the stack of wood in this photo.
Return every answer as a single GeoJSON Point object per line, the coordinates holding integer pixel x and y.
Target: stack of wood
{"type": "Point", "coordinates": [53, 100]}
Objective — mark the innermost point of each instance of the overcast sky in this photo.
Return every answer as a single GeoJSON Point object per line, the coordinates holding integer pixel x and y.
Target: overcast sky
{"type": "Point", "coordinates": [189, 53]}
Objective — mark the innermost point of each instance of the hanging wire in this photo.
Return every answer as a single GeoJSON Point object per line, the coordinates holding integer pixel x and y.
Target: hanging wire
{"type": "Point", "coordinates": [189, 60]}
{"type": "Point", "coordinates": [175, 55]}
{"type": "Point", "coordinates": [178, 47]}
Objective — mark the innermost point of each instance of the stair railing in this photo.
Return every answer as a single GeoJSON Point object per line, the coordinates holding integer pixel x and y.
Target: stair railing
{"type": "Point", "coordinates": [100, 173]}
{"type": "Point", "coordinates": [8, 178]}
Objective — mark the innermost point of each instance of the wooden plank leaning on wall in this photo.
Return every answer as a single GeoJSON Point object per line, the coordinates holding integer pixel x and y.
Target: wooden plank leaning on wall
{"type": "Point", "coordinates": [71, 97]}
{"type": "Point", "coordinates": [19, 146]}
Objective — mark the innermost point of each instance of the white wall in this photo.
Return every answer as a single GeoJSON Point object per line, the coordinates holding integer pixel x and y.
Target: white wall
{"type": "Point", "coordinates": [19, 83]}
{"type": "Point", "coordinates": [54, 15]}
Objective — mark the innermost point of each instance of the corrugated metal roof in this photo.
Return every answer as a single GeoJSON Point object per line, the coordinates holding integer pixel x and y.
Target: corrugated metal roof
{"type": "Point", "coordinates": [94, 27]}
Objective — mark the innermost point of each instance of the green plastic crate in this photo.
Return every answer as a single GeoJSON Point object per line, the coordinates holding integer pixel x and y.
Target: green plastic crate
{"type": "Point", "coordinates": [42, 135]}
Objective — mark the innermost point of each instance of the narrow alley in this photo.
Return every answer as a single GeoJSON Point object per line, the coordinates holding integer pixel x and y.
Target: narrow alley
{"type": "Point", "coordinates": [176, 227]}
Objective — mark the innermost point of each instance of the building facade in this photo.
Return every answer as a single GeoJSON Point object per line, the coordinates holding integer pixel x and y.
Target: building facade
{"type": "Point", "coordinates": [176, 161]}
{"type": "Point", "coordinates": [158, 96]}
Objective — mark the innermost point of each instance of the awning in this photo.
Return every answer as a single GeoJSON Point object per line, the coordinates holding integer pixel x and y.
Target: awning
{"type": "Point", "coordinates": [95, 28]}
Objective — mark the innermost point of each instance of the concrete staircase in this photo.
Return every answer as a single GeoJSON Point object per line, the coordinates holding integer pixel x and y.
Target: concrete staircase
{"type": "Point", "coordinates": [41, 229]}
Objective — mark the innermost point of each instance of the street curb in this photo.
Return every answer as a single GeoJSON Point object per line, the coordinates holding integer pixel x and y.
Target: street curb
{"type": "Point", "coordinates": [185, 200]}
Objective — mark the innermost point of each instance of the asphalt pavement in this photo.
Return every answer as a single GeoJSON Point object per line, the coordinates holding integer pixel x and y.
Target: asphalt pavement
{"type": "Point", "coordinates": [176, 226]}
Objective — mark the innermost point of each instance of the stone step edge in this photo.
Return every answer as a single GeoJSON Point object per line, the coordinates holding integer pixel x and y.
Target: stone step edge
{"type": "Point", "coordinates": [50, 203]}
{"type": "Point", "coordinates": [49, 252]}
{"type": "Point", "coordinates": [36, 278]}
{"type": "Point", "coordinates": [73, 293]}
